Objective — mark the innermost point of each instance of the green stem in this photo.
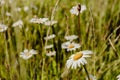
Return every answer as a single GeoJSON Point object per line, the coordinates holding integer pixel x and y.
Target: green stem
{"type": "Point", "coordinates": [7, 55]}
{"type": "Point", "coordinates": [42, 74]}
{"type": "Point", "coordinates": [86, 72]}
{"type": "Point", "coordinates": [52, 17]}
{"type": "Point", "coordinates": [6, 48]}
{"type": "Point", "coordinates": [41, 40]}
{"type": "Point", "coordinates": [55, 46]}
{"type": "Point", "coordinates": [79, 28]}
{"type": "Point", "coordinates": [93, 35]}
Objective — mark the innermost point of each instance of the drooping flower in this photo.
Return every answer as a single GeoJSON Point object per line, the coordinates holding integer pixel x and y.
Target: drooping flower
{"type": "Point", "coordinates": [51, 53]}
{"type": "Point", "coordinates": [78, 59]}
{"type": "Point", "coordinates": [91, 77]}
{"type": "Point", "coordinates": [26, 54]}
{"type": "Point", "coordinates": [18, 23]}
{"type": "Point", "coordinates": [118, 77]}
{"type": "Point", "coordinates": [50, 23]}
{"type": "Point", "coordinates": [71, 37]}
{"type": "Point", "coordinates": [38, 20]}
{"type": "Point", "coordinates": [3, 27]}
{"type": "Point", "coordinates": [75, 9]}
{"type": "Point", "coordinates": [50, 37]}
{"type": "Point", "coordinates": [70, 46]}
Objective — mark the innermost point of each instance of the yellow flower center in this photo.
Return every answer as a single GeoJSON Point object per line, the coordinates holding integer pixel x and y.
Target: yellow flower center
{"type": "Point", "coordinates": [78, 55]}
{"type": "Point", "coordinates": [27, 54]}
{"type": "Point", "coordinates": [71, 46]}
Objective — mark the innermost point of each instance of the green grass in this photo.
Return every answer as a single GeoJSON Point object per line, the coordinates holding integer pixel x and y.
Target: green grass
{"type": "Point", "coordinates": [100, 32]}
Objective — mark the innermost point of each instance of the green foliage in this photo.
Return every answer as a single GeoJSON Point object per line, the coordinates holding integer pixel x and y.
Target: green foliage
{"type": "Point", "coordinates": [100, 32]}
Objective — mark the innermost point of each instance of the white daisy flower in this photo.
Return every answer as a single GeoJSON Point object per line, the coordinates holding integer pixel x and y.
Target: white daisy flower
{"type": "Point", "coordinates": [118, 77]}
{"type": "Point", "coordinates": [83, 8]}
{"type": "Point", "coordinates": [38, 20]}
{"type": "Point", "coordinates": [18, 9]}
{"type": "Point", "coordinates": [78, 59]}
{"type": "Point", "coordinates": [8, 14]}
{"type": "Point", "coordinates": [26, 8]}
{"type": "Point", "coordinates": [49, 23]}
{"type": "Point", "coordinates": [70, 46]}
{"type": "Point", "coordinates": [3, 27]}
{"type": "Point", "coordinates": [50, 37]}
{"type": "Point", "coordinates": [18, 23]}
{"type": "Point", "coordinates": [51, 53]}
{"type": "Point", "coordinates": [26, 54]}
{"type": "Point", "coordinates": [34, 20]}
{"type": "Point", "coordinates": [91, 77]}
{"type": "Point", "coordinates": [2, 2]}
{"type": "Point", "coordinates": [48, 46]}
{"type": "Point", "coordinates": [71, 37]}
{"type": "Point", "coordinates": [75, 10]}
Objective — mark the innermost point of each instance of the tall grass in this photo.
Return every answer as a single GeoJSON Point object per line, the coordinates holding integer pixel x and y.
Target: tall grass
{"type": "Point", "coordinates": [99, 28]}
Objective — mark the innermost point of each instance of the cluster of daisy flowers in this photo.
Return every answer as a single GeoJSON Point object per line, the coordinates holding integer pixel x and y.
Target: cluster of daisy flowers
{"type": "Point", "coordinates": [49, 48]}
{"type": "Point", "coordinates": [44, 21]}
{"type": "Point", "coordinates": [75, 60]}
{"type": "Point", "coordinates": [78, 58]}
{"type": "Point", "coordinates": [70, 44]}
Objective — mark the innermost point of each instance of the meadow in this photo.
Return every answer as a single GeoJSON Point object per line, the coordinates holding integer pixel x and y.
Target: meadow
{"type": "Point", "coordinates": [27, 52]}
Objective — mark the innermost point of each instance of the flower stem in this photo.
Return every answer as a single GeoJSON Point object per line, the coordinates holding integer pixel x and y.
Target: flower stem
{"type": "Point", "coordinates": [86, 72]}
{"type": "Point", "coordinates": [55, 46]}
{"type": "Point", "coordinates": [43, 66]}
{"type": "Point", "coordinates": [7, 61]}
{"type": "Point", "coordinates": [79, 29]}
{"type": "Point", "coordinates": [40, 34]}
{"type": "Point", "coordinates": [6, 48]}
